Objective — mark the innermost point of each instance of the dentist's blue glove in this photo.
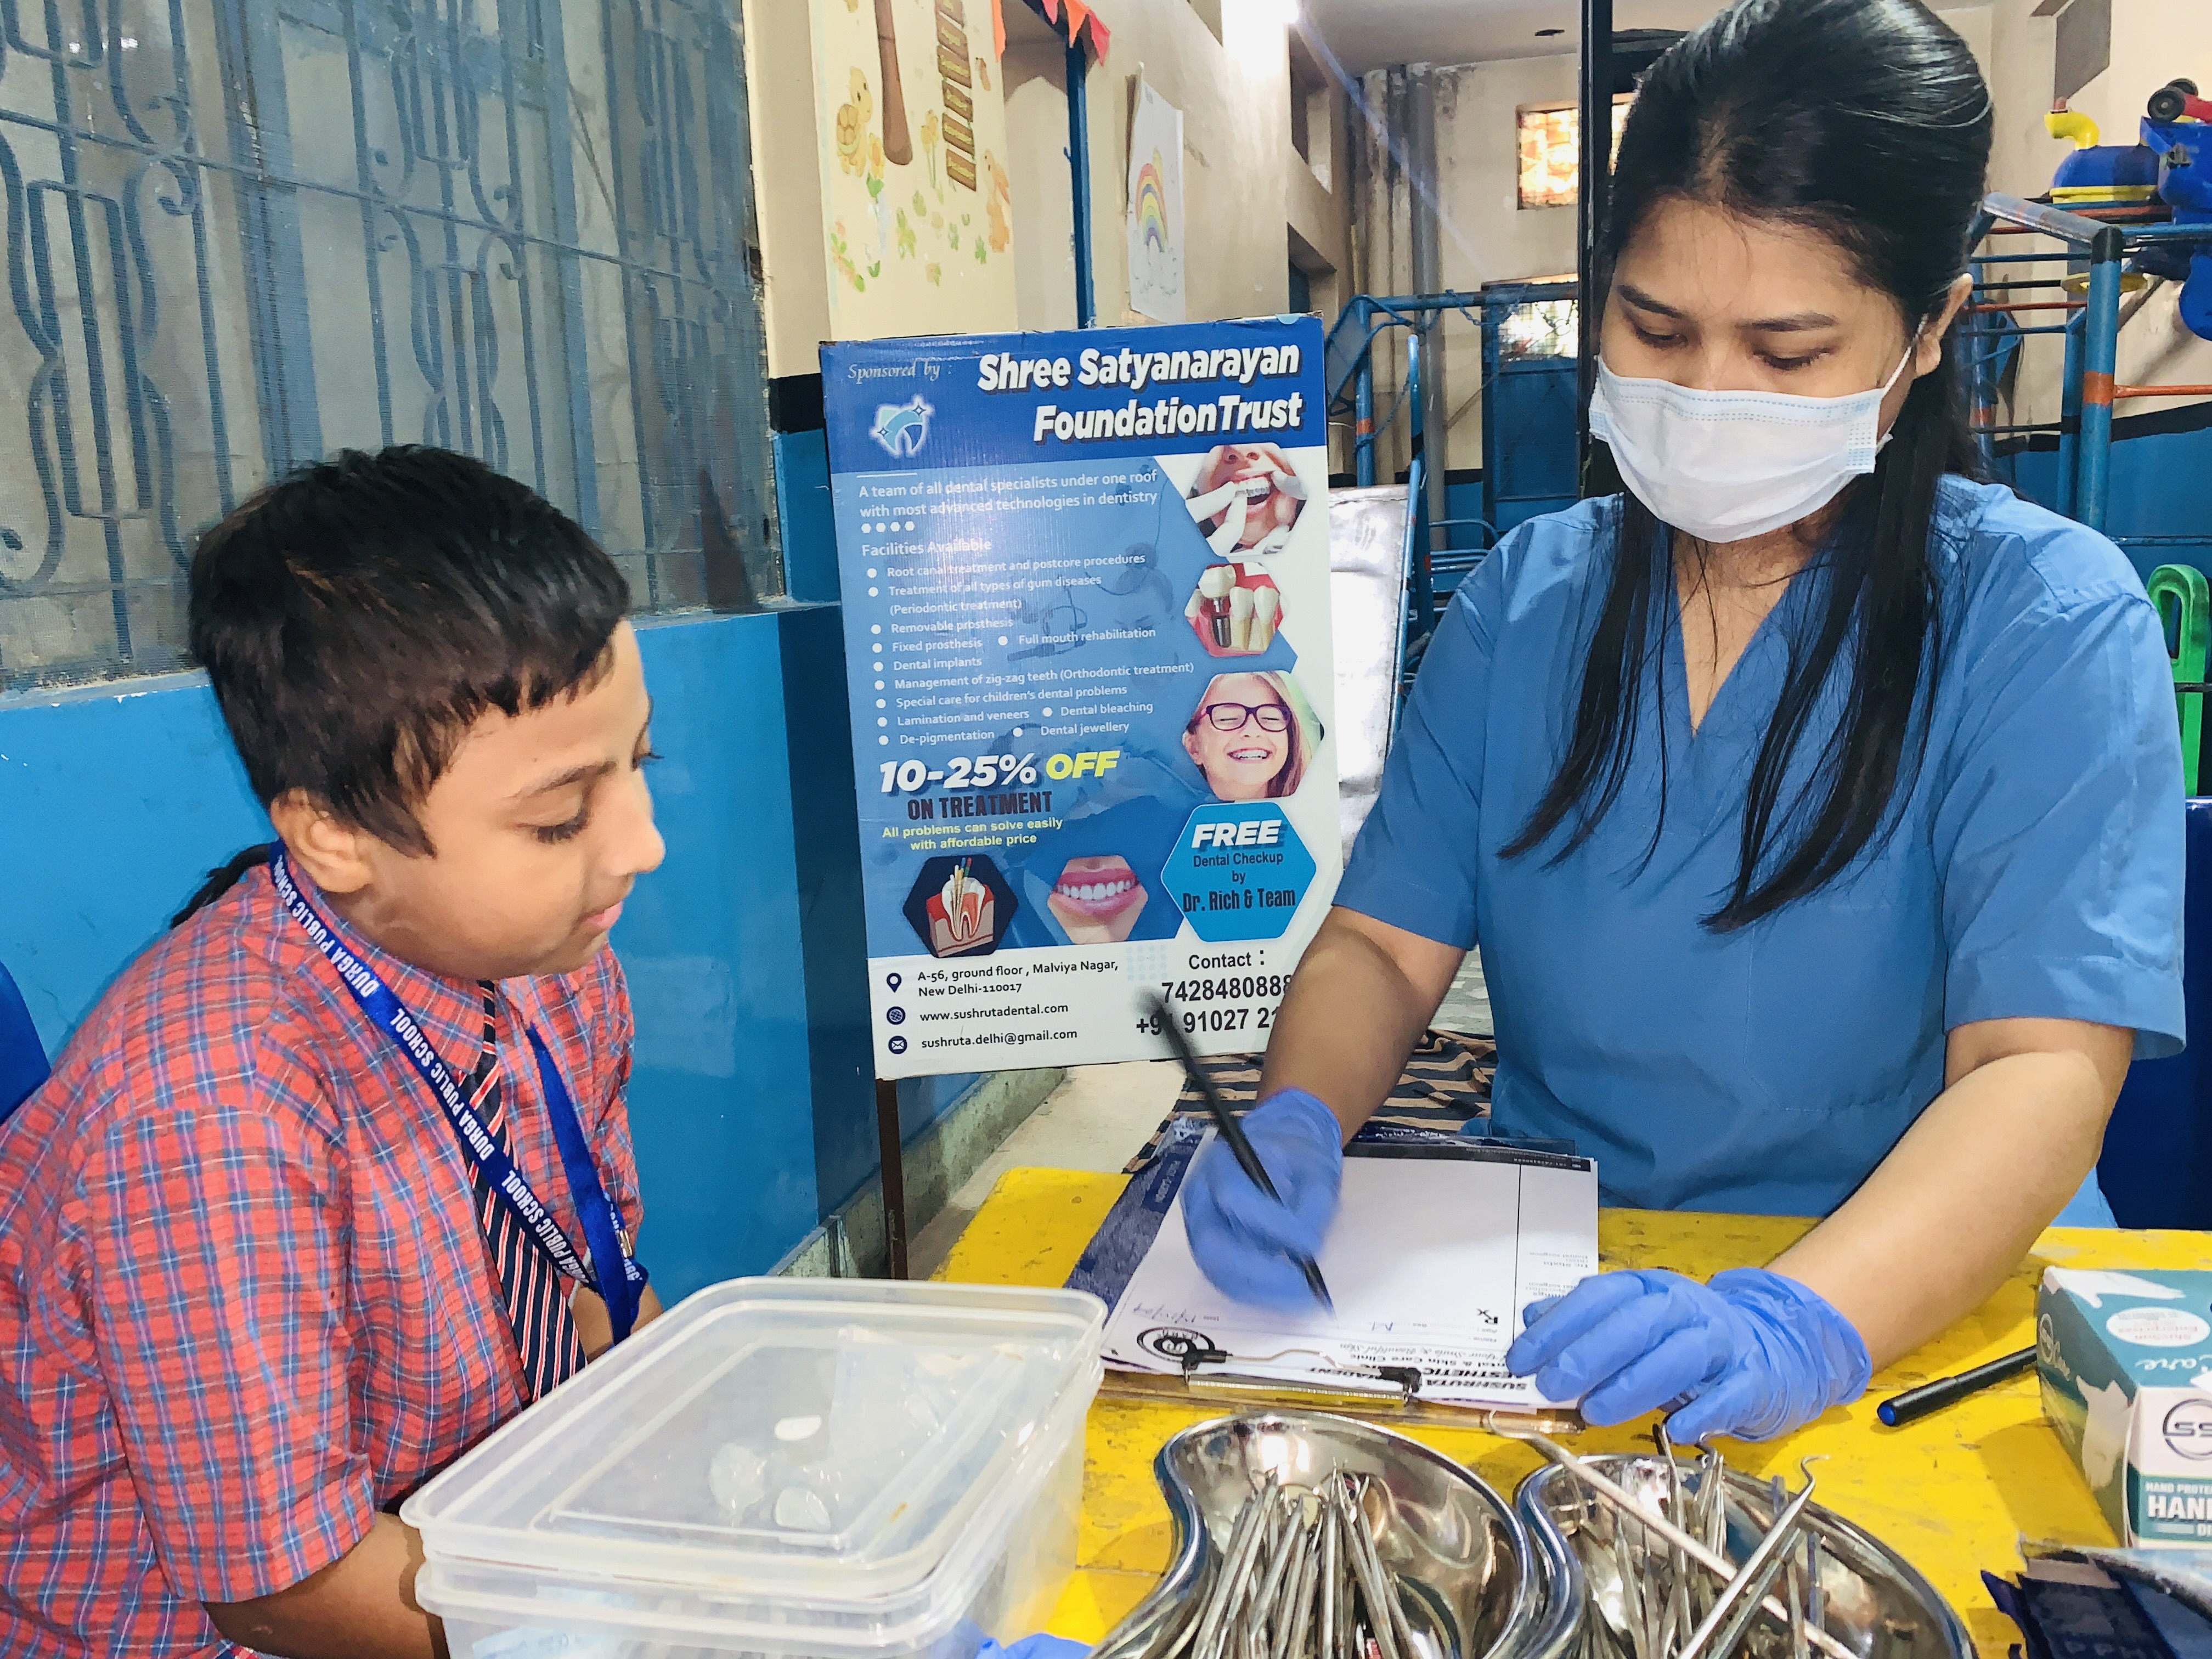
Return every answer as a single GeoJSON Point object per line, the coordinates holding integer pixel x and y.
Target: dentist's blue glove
{"type": "Point", "coordinates": [1753, 1354]}
{"type": "Point", "coordinates": [1244, 1240]}
{"type": "Point", "coordinates": [1040, 1646]}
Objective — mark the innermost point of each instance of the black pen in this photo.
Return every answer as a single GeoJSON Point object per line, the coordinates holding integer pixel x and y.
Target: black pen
{"type": "Point", "coordinates": [1232, 1132]}
{"type": "Point", "coordinates": [1944, 1390]}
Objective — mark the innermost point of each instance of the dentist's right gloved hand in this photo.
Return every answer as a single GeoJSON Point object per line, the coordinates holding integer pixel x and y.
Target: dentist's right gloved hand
{"type": "Point", "coordinates": [1244, 1241]}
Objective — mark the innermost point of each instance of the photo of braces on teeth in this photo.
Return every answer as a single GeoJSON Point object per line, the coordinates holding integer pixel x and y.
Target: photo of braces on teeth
{"type": "Point", "coordinates": [1246, 498]}
{"type": "Point", "coordinates": [1251, 736]}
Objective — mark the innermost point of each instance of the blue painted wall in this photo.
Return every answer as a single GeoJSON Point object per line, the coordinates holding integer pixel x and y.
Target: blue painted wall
{"type": "Point", "coordinates": [743, 951]}
{"type": "Point", "coordinates": [802, 498]}
{"type": "Point", "coordinates": [819, 735]}
{"type": "Point", "coordinates": [721, 1104]}
{"type": "Point", "coordinates": [114, 804]}
{"type": "Point", "coordinates": [2162, 485]}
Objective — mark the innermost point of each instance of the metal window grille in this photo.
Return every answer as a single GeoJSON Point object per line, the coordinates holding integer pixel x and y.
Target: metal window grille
{"type": "Point", "coordinates": [1538, 328]}
{"type": "Point", "coordinates": [1548, 138]}
{"type": "Point", "coordinates": [242, 234]}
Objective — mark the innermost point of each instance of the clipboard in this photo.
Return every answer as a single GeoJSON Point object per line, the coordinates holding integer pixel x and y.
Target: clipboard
{"type": "Point", "coordinates": [1245, 1393]}
{"type": "Point", "coordinates": [1178, 1360]}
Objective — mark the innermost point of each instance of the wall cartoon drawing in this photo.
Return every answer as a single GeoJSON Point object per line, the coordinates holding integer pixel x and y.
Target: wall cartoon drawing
{"type": "Point", "coordinates": [898, 141]}
{"type": "Point", "coordinates": [917, 205]}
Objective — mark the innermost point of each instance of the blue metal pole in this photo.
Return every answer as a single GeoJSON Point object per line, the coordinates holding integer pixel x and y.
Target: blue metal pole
{"type": "Point", "coordinates": [1493, 447]}
{"type": "Point", "coordinates": [2069, 419]}
{"type": "Point", "coordinates": [1079, 179]}
{"type": "Point", "coordinates": [1978, 343]}
{"type": "Point", "coordinates": [2100, 342]}
{"type": "Point", "coordinates": [1423, 573]}
{"type": "Point", "coordinates": [1362, 417]}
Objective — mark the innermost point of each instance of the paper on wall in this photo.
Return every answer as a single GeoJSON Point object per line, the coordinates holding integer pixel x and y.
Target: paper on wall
{"type": "Point", "coordinates": [1155, 213]}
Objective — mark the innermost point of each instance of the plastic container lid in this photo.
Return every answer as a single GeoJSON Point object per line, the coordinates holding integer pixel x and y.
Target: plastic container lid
{"type": "Point", "coordinates": [779, 1449]}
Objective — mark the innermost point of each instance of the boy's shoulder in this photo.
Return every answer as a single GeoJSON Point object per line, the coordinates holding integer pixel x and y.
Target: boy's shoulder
{"type": "Point", "coordinates": [220, 1009]}
{"type": "Point", "coordinates": [584, 1013]}
{"type": "Point", "coordinates": [240, 988]}
{"type": "Point", "coordinates": [234, 1015]}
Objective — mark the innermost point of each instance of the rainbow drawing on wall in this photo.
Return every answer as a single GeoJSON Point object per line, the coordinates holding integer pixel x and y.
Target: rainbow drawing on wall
{"type": "Point", "coordinates": [1151, 206]}
{"type": "Point", "coordinates": [1155, 207]}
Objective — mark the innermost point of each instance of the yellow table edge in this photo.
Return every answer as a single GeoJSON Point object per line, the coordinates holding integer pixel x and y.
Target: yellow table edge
{"type": "Point", "coordinates": [1954, 1492]}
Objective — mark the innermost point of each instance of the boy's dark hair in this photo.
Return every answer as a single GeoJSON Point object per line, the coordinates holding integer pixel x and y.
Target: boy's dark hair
{"type": "Point", "coordinates": [356, 618]}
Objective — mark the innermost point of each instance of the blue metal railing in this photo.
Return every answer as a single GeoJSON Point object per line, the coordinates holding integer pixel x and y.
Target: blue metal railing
{"type": "Point", "coordinates": [1460, 540]}
{"type": "Point", "coordinates": [2095, 248]}
{"type": "Point", "coordinates": [1528, 460]}
{"type": "Point", "coordinates": [1350, 356]}
{"type": "Point", "coordinates": [1420, 572]}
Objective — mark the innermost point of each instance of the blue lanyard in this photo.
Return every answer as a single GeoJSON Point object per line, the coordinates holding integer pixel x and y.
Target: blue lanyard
{"type": "Point", "coordinates": [506, 1183]}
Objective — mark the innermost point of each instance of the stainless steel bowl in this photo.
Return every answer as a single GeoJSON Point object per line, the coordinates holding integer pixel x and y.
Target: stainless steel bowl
{"type": "Point", "coordinates": [1878, 1604]}
{"type": "Point", "coordinates": [1476, 1585]}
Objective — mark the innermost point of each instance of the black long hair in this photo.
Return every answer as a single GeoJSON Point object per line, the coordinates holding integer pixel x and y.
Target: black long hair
{"type": "Point", "coordinates": [1866, 121]}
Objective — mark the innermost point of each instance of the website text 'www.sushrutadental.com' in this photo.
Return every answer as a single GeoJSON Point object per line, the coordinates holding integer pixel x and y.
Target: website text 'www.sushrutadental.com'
{"type": "Point", "coordinates": [1002, 1010]}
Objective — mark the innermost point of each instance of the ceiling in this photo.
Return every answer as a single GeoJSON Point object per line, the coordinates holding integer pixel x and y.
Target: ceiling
{"type": "Point", "coordinates": [1365, 34]}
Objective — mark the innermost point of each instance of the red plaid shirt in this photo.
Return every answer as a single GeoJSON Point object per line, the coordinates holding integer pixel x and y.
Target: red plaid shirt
{"type": "Point", "coordinates": [245, 1301]}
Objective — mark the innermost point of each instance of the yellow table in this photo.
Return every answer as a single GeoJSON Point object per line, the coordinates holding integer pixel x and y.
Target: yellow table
{"type": "Point", "coordinates": [1954, 1492]}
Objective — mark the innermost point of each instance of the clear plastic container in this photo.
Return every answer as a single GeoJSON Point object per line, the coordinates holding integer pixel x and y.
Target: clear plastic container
{"type": "Point", "coordinates": [850, 1469]}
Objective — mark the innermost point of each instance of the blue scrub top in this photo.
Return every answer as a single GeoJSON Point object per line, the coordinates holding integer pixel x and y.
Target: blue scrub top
{"type": "Point", "coordinates": [2035, 868]}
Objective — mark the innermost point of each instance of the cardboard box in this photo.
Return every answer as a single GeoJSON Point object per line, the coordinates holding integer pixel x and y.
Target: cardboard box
{"type": "Point", "coordinates": [2125, 1360]}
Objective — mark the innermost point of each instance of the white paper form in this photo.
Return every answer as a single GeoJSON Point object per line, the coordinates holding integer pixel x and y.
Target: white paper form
{"type": "Point", "coordinates": [1430, 1263]}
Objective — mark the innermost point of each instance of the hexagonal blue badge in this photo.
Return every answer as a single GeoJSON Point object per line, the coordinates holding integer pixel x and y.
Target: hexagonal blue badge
{"type": "Point", "coordinates": [1239, 870]}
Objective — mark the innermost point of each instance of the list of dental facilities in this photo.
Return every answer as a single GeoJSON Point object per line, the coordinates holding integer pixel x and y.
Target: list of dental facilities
{"type": "Point", "coordinates": [954, 604]}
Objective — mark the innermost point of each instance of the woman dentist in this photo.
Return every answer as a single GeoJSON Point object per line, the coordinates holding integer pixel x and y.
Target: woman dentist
{"type": "Point", "coordinates": [1818, 808]}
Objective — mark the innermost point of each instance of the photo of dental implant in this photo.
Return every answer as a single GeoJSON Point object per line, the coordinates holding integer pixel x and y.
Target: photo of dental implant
{"type": "Point", "coordinates": [1234, 609]}
{"type": "Point", "coordinates": [1247, 499]}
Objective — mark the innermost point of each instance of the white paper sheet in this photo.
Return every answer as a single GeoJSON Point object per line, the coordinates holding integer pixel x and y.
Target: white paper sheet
{"type": "Point", "coordinates": [1155, 207]}
{"type": "Point", "coordinates": [1430, 1263]}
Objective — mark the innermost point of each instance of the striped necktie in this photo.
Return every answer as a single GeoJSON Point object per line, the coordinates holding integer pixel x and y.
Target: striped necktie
{"type": "Point", "coordinates": [536, 1299]}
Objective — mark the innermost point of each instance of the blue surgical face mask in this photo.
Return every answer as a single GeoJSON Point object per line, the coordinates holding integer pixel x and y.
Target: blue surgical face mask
{"type": "Point", "coordinates": [1725, 465]}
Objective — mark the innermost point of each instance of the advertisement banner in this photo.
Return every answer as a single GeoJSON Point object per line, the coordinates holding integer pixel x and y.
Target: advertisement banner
{"type": "Point", "coordinates": [1086, 605]}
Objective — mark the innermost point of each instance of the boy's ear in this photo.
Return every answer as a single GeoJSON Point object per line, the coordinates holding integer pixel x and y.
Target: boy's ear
{"type": "Point", "coordinates": [332, 853]}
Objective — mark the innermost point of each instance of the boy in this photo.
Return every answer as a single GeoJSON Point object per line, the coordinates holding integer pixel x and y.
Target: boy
{"type": "Point", "coordinates": [262, 1272]}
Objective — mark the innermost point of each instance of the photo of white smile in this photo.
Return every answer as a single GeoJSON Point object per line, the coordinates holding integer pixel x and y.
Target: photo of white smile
{"type": "Point", "coordinates": [1096, 899]}
{"type": "Point", "coordinates": [1094, 892]}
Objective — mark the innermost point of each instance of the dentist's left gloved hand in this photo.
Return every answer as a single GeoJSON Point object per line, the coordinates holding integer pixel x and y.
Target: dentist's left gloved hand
{"type": "Point", "coordinates": [1753, 1354]}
